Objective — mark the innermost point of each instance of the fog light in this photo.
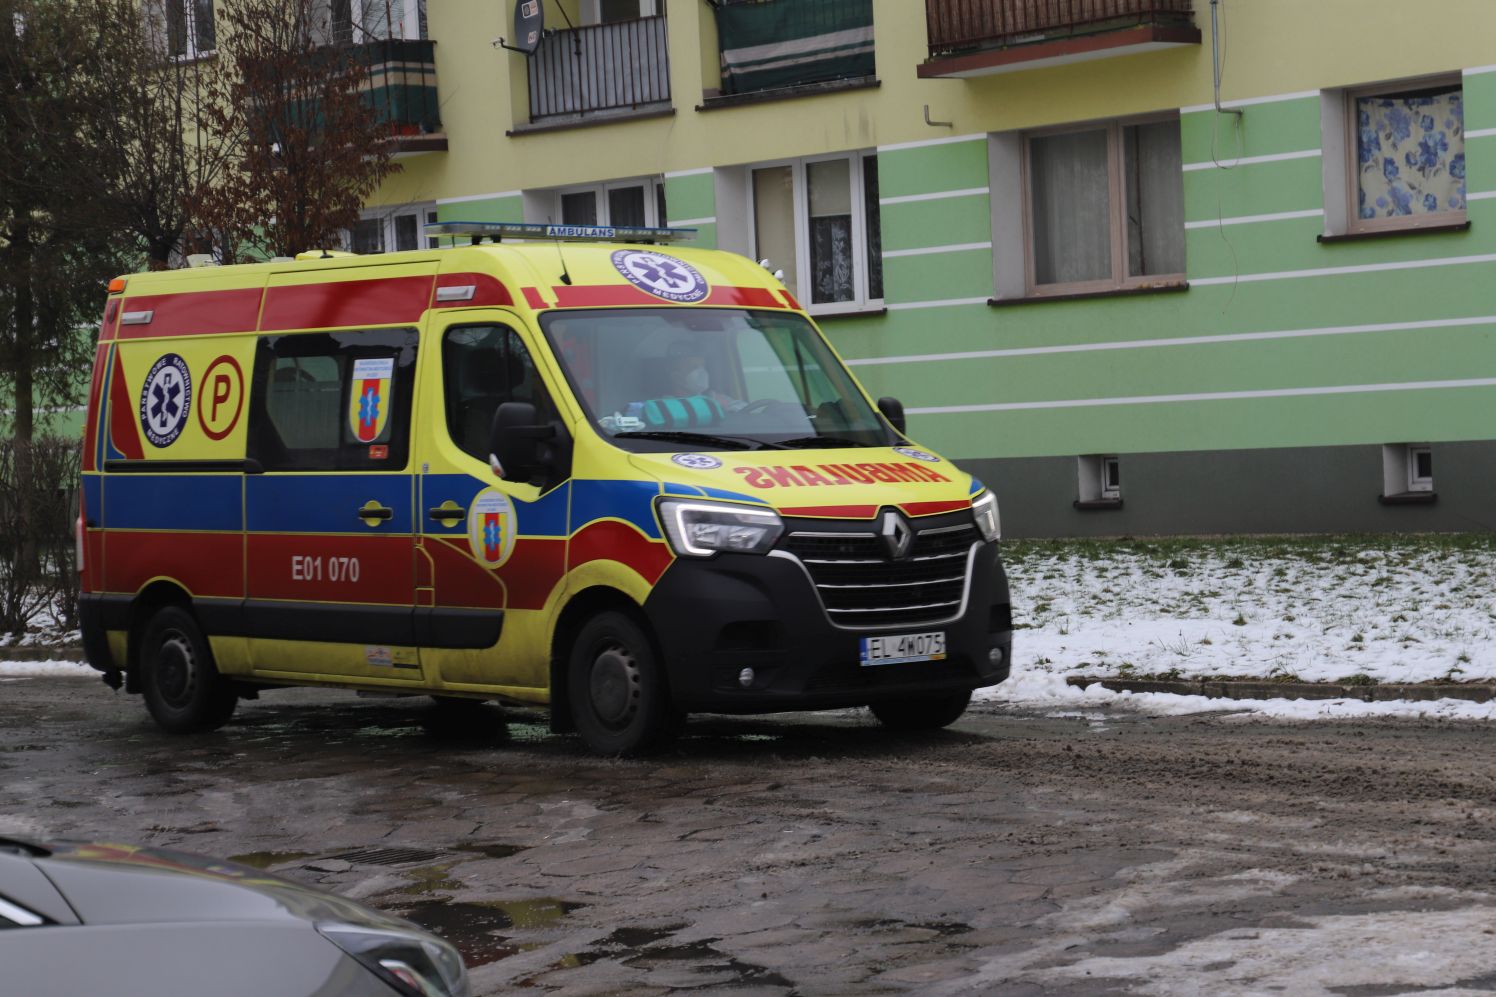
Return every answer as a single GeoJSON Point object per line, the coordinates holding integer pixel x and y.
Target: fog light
{"type": "Point", "coordinates": [995, 655]}
{"type": "Point", "coordinates": [745, 677]}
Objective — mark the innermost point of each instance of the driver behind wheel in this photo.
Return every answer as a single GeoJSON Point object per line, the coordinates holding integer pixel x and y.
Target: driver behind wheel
{"type": "Point", "coordinates": [687, 376]}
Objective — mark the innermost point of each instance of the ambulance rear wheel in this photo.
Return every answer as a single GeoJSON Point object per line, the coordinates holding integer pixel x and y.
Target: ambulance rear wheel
{"type": "Point", "coordinates": [923, 712]}
{"type": "Point", "coordinates": [619, 700]}
{"type": "Point", "coordinates": [183, 690]}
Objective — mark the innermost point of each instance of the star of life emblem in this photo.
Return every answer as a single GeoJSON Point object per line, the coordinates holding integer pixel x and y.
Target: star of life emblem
{"type": "Point", "coordinates": [165, 400]}
{"type": "Point", "coordinates": [663, 276]}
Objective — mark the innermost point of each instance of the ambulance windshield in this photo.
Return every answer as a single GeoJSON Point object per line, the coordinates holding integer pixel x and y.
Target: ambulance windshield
{"type": "Point", "coordinates": [692, 379]}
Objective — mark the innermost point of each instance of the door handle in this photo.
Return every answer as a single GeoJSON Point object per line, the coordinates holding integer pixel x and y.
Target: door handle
{"type": "Point", "coordinates": [444, 513]}
{"type": "Point", "coordinates": [373, 510]}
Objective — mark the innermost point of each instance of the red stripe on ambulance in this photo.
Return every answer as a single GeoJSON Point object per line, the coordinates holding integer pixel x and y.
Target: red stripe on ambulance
{"type": "Point", "coordinates": [610, 540]}
{"type": "Point", "coordinates": [205, 564]}
{"type": "Point", "coordinates": [193, 313]}
{"type": "Point", "coordinates": [383, 301]}
{"type": "Point", "coordinates": [124, 430]}
{"type": "Point", "coordinates": [313, 568]}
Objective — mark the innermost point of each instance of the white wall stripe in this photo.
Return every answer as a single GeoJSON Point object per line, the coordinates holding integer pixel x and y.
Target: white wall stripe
{"type": "Point", "coordinates": [1478, 70]}
{"type": "Point", "coordinates": [687, 222]}
{"type": "Point", "coordinates": [1209, 396]}
{"type": "Point", "coordinates": [1484, 195]}
{"type": "Point", "coordinates": [931, 250]}
{"type": "Point", "coordinates": [936, 196]}
{"type": "Point", "coordinates": [479, 197]}
{"type": "Point", "coordinates": [1481, 133]}
{"type": "Point", "coordinates": [1250, 101]}
{"type": "Point", "coordinates": [1250, 219]}
{"type": "Point", "coordinates": [897, 146]}
{"type": "Point", "coordinates": [1277, 157]}
{"type": "Point", "coordinates": [904, 306]}
{"type": "Point", "coordinates": [674, 174]}
{"type": "Point", "coordinates": [1138, 344]}
{"type": "Point", "coordinates": [1252, 278]}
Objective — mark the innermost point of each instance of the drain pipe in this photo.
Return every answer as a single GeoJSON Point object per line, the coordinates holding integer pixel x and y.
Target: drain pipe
{"type": "Point", "coordinates": [1215, 62]}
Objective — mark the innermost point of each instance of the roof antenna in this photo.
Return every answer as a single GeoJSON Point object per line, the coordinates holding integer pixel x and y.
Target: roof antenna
{"type": "Point", "coordinates": [565, 276]}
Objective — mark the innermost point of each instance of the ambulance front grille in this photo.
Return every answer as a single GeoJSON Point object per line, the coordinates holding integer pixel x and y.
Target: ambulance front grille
{"type": "Point", "coordinates": [860, 585]}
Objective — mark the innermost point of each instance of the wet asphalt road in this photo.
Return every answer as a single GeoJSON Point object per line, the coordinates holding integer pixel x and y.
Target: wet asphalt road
{"type": "Point", "coordinates": [1015, 853]}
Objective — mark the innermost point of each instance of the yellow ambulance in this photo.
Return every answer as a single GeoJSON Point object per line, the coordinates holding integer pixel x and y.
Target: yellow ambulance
{"type": "Point", "coordinates": [576, 467]}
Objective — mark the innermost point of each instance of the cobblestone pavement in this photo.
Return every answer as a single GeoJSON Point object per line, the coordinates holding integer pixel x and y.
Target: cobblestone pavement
{"type": "Point", "coordinates": [1015, 853]}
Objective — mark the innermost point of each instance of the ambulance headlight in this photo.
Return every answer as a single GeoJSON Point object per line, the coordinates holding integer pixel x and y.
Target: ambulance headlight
{"type": "Point", "coordinates": [988, 521]}
{"type": "Point", "coordinates": [701, 529]}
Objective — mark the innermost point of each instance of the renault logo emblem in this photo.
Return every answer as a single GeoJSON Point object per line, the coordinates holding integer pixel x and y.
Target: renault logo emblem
{"type": "Point", "coordinates": [897, 536]}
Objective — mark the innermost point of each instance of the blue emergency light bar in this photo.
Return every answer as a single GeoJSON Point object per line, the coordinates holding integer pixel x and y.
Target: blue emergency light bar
{"type": "Point", "coordinates": [499, 231]}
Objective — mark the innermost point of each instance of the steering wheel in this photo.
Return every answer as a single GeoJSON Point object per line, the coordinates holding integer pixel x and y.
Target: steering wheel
{"type": "Point", "coordinates": [757, 406]}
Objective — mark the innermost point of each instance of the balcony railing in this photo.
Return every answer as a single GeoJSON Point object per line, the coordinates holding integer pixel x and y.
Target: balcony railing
{"type": "Point", "coordinates": [603, 67]}
{"type": "Point", "coordinates": [782, 44]}
{"type": "Point", "coordinates": [963, 25]}
{"type": "Point", "coordinates": [401, 84]}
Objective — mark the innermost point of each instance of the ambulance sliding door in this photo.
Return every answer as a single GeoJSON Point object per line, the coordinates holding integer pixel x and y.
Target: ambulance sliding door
{"type": "Point", "coordinates": [495, 548]}
{"type": "Point", "coordinates": [330, 527]}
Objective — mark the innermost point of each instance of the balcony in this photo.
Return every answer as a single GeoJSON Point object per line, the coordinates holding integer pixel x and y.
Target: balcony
{"type": "Point", "coordinates": [980, 37]}
{"type": "Point", "coordinates": [773, 49]}
{"type": "Point", "coordinates": [600, 71]}
{"type": "Point", "coordinates": [401, 87]}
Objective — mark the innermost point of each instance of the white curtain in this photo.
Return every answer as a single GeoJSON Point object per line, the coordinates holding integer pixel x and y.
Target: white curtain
{"type": "Point", "coordinates": [1155, 199]}
{"type": "Point", "coordinates": [1070, 207]}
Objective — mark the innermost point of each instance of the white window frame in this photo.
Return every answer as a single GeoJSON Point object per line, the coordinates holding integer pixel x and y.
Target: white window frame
{"type": "Point", "coordinates": [546, 205]}
{"type": "Point", "coordinates": [1351, 167]}
{"type": "Point", "coordinates": [801, 198]}
{"type": "Point", "coordinates": [425, 213]}
{"type": "Point", "coordinates": [1400, 469]}
{"type": "Point", "coordinates": [190, 50]}
{"type": "Point", "coordinates": [1091, 478]}
{"type": "Point", "coordinates": [408, 27]}
{"type": "Point", "coordinates": [591, 11]}
{"type": "Point", "coordinates": [1120, 279]}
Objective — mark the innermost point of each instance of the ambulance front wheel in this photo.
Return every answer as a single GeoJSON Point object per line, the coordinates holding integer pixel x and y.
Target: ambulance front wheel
{"type": "Point", "coordinates": [619, 699]}
{"type": "Point", "coordinates": [923, 712]}
{"type": "Point", "coordinates": [183, 690]}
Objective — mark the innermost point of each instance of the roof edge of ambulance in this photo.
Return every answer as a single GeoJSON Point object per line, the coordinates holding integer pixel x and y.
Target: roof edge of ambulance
{"type": "Point", "coordinates": [547, 261]}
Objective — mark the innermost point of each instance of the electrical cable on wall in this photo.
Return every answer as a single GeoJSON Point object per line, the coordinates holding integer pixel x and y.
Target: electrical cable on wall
{"type": "Point", "coordinates": [1218, 51]}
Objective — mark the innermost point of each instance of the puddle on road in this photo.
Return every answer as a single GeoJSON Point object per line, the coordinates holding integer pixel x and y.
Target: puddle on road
{"type": "Point", "coordinates": [638, 948]}
{"type": "Point", "coordinates": [264, 860]}
{"type": "Point", "coordinates": [473, 926]}
{"type": "Point", "coordinates": [494, 850]}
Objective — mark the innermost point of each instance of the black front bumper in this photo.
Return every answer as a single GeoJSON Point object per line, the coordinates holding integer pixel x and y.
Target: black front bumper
{"type": "Point", "coordinates": [717, 616]}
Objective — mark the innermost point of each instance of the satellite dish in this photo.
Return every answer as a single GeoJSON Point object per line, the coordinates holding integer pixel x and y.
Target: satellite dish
{"type": "Point", "coordinates": [529, 21]}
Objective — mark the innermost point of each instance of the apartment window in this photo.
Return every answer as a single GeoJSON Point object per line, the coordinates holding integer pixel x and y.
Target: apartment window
{"type": "Point", "coordinates": [1406, 148]}
{"type": "Point", "coordinates": [354, 22]}
{"type": "Point", "coordinates": [189, 28]}
{"type": "Point", "coordinates": [393, 231]}
{"type": "Point", "coordinates": [1098, 481]}
{"type": "Point", "coordinates": [625, 202]}
{"type": "Point", "coordinates": [1104, 207]}
{"type": "Point", "coordinates": [817, 220]}
{"type": "Point", "coordinates": [611, 11]}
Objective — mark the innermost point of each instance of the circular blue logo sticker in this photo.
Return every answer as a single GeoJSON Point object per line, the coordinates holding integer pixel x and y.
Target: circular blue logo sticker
{"type": "Point", "coordinates": [917, 454]}
{"type": "Point", "coordinates": [698, 461]}
{"type": "Point", "coordinates": [663, 276]}
{"type": "Point", "coordinates": [165, 400]}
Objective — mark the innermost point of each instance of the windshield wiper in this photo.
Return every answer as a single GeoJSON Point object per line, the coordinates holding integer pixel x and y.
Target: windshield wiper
{"type": "Point", "coordinates": [679, 436]}
{"type": "Point", "coordinates": [811, 442]}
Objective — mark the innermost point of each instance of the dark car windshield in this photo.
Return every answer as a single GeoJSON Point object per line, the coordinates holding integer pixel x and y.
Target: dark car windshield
{"type": "Point", "coordinates": [661, 379]}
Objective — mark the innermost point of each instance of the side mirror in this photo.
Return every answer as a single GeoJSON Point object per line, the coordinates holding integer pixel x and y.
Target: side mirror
{"type": "Point", "coordinates": [516, 443]}
{"type": "Point", "coordinates": [893, 411]}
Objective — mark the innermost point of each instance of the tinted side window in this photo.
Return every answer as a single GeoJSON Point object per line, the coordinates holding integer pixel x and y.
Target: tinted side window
{"type": "Point", "coordinates": [484, 366]}
{"type": "Point", "coordinates": [333, 401]}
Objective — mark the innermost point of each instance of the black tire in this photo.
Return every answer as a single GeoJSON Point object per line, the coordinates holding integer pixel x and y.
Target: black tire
{"type": "Point", "coordinates": [923, 712]}
{"type": "Point", "coordinates": [620, 701]}
{"type": "Point", "coordinates": [182, 687]}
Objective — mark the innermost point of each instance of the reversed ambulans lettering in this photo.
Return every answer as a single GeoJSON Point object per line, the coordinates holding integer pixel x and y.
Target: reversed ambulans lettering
{"type": "Point", "coordinates": [649, 490]}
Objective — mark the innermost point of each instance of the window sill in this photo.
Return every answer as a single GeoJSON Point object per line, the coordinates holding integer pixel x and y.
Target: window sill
{"type": "Point", "coordinates": [721, 101]}
{"type": "Point", "coordinates": [860, 313]}
{"type": "Point", "coordinates": [1391, 232]}
{"type": "Point", "coordinates": [1409, 498]}
{"type": "Point", "coordinates": [1111, 292]}
{"type": "Point", "coordinates": [1097, 505]}
{"type": "Point", "coordinates": [591, 121]}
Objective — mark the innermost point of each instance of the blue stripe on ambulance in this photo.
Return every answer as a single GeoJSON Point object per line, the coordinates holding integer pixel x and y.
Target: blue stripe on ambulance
{"type": "Point", "coordinates": [545, 517]}
{"type": "Point", "coordinates": [688, 491]}
{"type": "Point", "coordinates": [171, 502]}
{"type": "Point", "coordinates": [93, 499]}
{"type": "Point", "coordinates": [630, 501]}
{"type": "Point", "coordinates": [719, 493]}
{"type": "Point", "coordinates": [976, 486]}
{"type": "Point", "coordinates": [324, 503]}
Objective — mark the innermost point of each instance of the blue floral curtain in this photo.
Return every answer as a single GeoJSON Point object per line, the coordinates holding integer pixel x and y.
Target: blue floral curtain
{"type": "Point", "coordinates": [1411, 154]}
